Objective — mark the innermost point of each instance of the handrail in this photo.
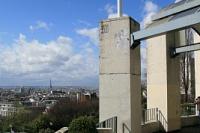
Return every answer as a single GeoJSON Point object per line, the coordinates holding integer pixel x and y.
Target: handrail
{"type": "Point", "coordinates": [124, 126]}
{"type": "Point", "coordinates": [162, 120]}
{"type": "Point", "coordinates": [109, 123]}
{"type": "Point", "coordinates": [149, 115]}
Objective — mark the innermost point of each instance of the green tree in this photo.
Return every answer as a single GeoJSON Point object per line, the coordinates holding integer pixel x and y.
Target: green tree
{"type": "Point", "coordinates": [83, 124]}
{"type": "Point", "coordinates": [20, 121]}
{"type": "Point", "coordinates": [42, 122]}
{"type": "Point", "coordinates": [48, 130]}
{"type": "Point", "coordinates": [65, 111]}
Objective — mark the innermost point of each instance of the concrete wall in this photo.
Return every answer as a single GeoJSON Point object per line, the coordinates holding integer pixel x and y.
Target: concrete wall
{"type": "Point", "coordinates": [120, 85]}
{"type": "Point", "coordinates": [163, 84]}
{"type": "Point", "coordinates": [189, 121]}
{"type": "Point", "coordinates": [197, 66]}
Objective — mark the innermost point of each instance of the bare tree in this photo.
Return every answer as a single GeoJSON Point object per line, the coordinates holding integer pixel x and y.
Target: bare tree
{"type": "Point", "coordinates": [185, 65]}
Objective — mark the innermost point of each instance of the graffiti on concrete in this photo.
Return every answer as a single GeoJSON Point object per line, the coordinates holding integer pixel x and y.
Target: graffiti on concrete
{"type": "Point", "coordinates": [121, 38]}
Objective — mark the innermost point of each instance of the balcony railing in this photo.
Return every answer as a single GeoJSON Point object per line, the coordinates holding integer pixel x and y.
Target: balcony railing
{"type": "Point", "coordinates": [149, 115]}
{"type": "Point", "coordinates": [154, 115]}
{"type": "Point", "coordinates": [109, 123]}
{"type": "Point", "coordinates": [125, 128]}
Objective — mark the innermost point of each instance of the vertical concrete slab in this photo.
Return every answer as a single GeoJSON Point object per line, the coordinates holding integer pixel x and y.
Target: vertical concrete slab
{"type": "Point", "coordinates": [197, 66]}
{"type": "Point", "coordinates": [163, 91]}
{"type": "Point", "coordinates": [120, 77]}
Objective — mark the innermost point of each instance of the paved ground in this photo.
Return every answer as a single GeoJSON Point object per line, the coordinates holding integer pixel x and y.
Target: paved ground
{"type": "Point", "coordinates": [190, 130]}
{"type": "Point", "coordinates": [195, 129]}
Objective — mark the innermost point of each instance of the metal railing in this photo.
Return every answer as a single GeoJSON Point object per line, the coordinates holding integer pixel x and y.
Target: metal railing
{"type": "Point", "coordinates": [109, 123]}
{"type": "Point", "coordinates": [149, 115]}
{"type": "Point", "coordinates": [163, 122]}
{"type": "Point", "coordinates": [154, 115]}
{"type": "Point", "coordinates": [125, 128]}
{"type": "Point", "coordinates": [188, 109]}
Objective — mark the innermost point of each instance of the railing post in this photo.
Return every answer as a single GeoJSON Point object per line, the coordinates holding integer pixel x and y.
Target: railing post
{"type": "Point", "coordinates": [143, 116]}
{"type": "Point", "coordinates": [156, 114]}
{"type": "Point", "coordinates": [123, 127]}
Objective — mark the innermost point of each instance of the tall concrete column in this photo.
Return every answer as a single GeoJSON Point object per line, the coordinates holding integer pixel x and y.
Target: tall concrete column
{"type": "Point", "coordinates": [163, 89]}
{"type": "Point", "coordinates": [197, 67]}
{"type": "Point", "coordinates": [120, 76]}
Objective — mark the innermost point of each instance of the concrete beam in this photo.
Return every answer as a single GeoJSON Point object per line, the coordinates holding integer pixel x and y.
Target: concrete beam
{"type": "Point", "coordinates": [178, 24]}
{"type": "Point", "coordinates": [186, 48]}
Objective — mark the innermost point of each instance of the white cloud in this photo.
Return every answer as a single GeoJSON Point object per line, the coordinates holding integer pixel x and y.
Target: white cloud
{"type": "Point", "coordinates": [111, 11]}
{"type": "Point", "coordinates": [83, 22]}
{"type": "Point", "coordinates": [56, 59]}
{"type": "Point", "coordinates": [150, 9]}
{"type": "Point", "coordinates": [91, 33]}
{"type": "Point", "coordinates": [40, 25]}
{"type": "Point", "coordinates": [177, 1]}
{"type": "Point", "coordinates": [143, 57]}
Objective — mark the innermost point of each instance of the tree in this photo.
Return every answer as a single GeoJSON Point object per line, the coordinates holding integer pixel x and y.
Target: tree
{"type": "Point", "coordinates": [42, 122]}
{"type": "Point", "coordinates": [83, 125]}
{"type": "Point", "coordinates": [65, 111]}
{"type": "Point", "coordinates": [48, 130]}
{"type": "Point", "coordinates": [60, 115]}
{"type": "Point", "coordinates": [21, 121]}
{"type": "Point", "coordinates": [185, 66]}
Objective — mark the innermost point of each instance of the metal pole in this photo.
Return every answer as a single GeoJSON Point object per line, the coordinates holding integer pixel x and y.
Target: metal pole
{"type": "Point", "coordinates": [119, 9]}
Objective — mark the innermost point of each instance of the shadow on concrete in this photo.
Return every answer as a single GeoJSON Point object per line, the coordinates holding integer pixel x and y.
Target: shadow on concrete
{"type": "Point", "coordinates": [193, 129]}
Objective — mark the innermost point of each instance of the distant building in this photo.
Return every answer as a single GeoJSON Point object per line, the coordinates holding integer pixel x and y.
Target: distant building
{"type": "Point", "coordinates": [83, 97]}
{"type": "Point", "coordinates": [55, 92]}
{"type": "Point", "coordinates": [7, 109]}
{"type": "Point", "coordinates": [49, 104]}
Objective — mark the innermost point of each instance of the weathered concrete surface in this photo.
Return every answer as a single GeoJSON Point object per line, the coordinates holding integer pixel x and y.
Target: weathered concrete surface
{"type": "Point", "coordinates": [151, 127]}
{"type": "Point", "coordinates": [104, 130]}
{"type": "Point", "coordinates": [163, 84]}
{"type": "Point", "coordinates": [189, 121]}
{"type": "Point", "coordinates": [120, 85]}
{"type": "Point", "coordinates": [193, 129]}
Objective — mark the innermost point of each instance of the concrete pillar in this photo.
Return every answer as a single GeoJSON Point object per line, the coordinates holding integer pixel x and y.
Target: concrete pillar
{"type": "Point", "coordinates": [120, 76]}
{"type": "Point", "coordinates": [197, 67]}
{"type": "Point", "coordinates": [163, 89]}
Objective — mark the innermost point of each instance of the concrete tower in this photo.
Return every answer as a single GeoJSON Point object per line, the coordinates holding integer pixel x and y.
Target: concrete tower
{"type": "Point", "coordinates": [120, 76]}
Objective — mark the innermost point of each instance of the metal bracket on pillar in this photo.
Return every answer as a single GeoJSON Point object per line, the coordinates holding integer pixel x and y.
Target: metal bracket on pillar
{"type": "Point", "coordinates": [197, 31]}
{"type": "Point", "coordinates": [134, 43]}
{"type": "Point", "coordinates": [197, 28]}
{"type": "Point", "coordinates": [173, 53]}
{"type": "Point", "coordinates": [182, 49]}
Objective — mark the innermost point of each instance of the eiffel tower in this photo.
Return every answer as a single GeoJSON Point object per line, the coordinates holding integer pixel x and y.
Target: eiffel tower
{"type": "Point", "coordinates": [50, 84]}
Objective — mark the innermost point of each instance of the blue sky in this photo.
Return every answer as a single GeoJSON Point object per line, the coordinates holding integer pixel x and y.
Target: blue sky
{"type": "Point", "coordinates": [58, 39]}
